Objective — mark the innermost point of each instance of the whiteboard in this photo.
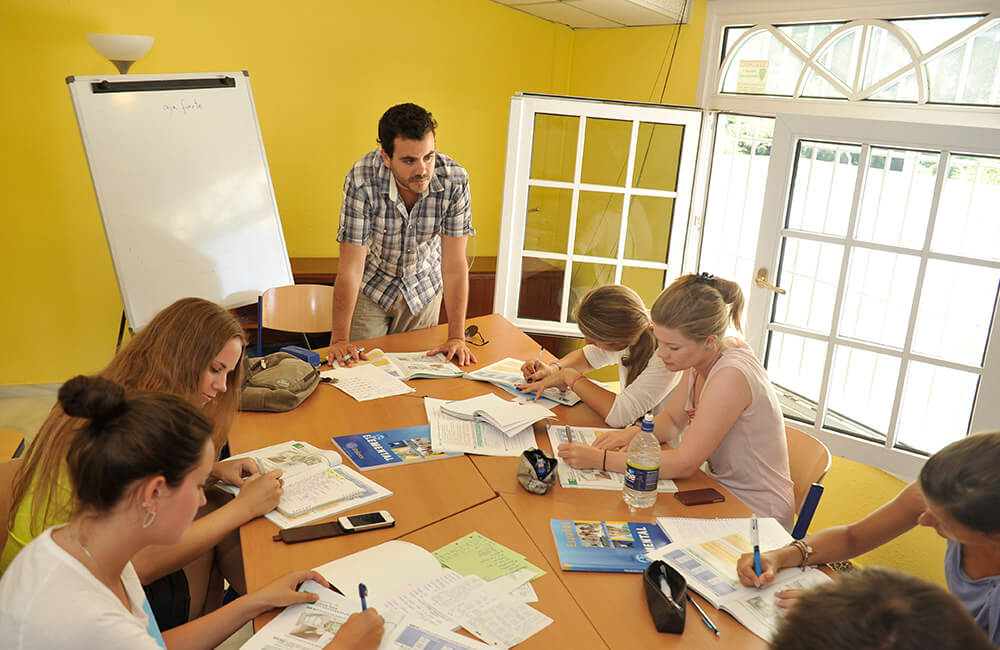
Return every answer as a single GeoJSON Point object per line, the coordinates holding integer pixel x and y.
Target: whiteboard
{"type": "Point", "coordinates": [183, 187]}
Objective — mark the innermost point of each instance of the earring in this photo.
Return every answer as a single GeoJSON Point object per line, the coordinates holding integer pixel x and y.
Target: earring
{"type": "Point", "coordinates": [708, 348]}
{"type": "Point", "coordinates": [150, 517]}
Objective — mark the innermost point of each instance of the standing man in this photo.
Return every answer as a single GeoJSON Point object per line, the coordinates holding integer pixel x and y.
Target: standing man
{"type": "Point", "coordinates": [404, 224]}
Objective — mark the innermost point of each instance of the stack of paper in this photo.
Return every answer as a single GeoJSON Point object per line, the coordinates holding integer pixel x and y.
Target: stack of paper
{"type": "Point", "coordinates": [366, 382]}
{"type": "Point", "coordinates": [451, 434]}
{"type": "Point", "coordinates": [509, 417]}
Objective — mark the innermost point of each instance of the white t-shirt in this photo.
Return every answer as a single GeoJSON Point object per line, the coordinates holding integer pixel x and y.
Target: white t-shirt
{"type": "Point", "coordinates": [648, 393]}
{"type": "Point", "coordinates": [48, 599]}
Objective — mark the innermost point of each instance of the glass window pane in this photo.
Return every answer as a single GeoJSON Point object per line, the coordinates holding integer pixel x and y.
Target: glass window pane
{"type": "Point", "coordinates": [967, 222]}
{"type": "Point", "coordinates": [605, 151]}
{"type": "Point", "coordinates": [957, 302]}
{"type": "Point", "coordinates": [731, 35]}
{"type": "Point", "coordinates": [657, 154]}
{"type": "Point", "coordinates": [546, 226]}
{"type": "Point", "coordinates": [736, 197]}
{"type": "Point", "coordinates": [808, 36]}
{"type": "Point", "coordinates": [817, 86]}
{"type": "Point", "coordinates": [861, 393]}
{"type": "Point", "coordinates": [878, 296]}
{"type": "Point", "coordinates": [895, 203]}
{"type": "Point", "coordinates": [936, 407]}
{"type": "Point", "coordinates": [886, 55]}
{"type": "Point", "coordinates": [931, 32]}
{"type": "Point", "coordinates": [902, 90]}
{"type": "Point", "coordinates": [840, 56]}
{"type": "Point", "coordinates": [763, 65]}
{"type": "Point", "coordinates": [585, 277]}
{"type": "Point", "coordinates": [647, 236]}
{"type": "Point", "coordinates": [823, 187]}
{"type": "Point", "coordinates": [648, 283]}
{"type": "Point", "coordinates": [598, 222]}
{"type": "Point", "coordinates": [809, 273]}
{"type": "Point", "coordinates": [553, 147]}
{"type": "Point", "coordinates": [795, 366]}
{"type": "Point", "coordinates": [541, 288]}
{"type": "Point", "coordinates": [967, 73]}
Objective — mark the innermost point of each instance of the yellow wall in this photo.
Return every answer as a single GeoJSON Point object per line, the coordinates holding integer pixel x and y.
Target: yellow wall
{"type": "Point", "coordinates": [322, 73]}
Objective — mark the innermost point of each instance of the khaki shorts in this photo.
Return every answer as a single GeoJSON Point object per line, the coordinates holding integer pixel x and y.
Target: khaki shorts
{"type": "Point", "coordinates": [370, 320]}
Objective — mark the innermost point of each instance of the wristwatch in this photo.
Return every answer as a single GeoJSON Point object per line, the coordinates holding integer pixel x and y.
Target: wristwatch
{"type": "Point", "coordinates": [804, 550]}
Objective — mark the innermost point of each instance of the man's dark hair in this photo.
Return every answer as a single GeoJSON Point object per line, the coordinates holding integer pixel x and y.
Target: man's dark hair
{"type": "Point", "coordinates": [406, 121]}
{"type": "Point", "coordinates": [879, 608]}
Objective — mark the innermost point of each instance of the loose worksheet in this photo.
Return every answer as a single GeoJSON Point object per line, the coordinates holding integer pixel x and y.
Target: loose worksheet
{"type": "Point", "coordinates": [364, 383]}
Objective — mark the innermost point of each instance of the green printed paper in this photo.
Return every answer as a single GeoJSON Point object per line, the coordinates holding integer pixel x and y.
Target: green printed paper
{"type": "Point", "coordinates": [475, 554]}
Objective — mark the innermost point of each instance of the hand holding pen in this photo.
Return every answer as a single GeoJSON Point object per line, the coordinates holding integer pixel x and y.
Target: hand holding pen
{"type": "Point", "coordinates": [755, 541]}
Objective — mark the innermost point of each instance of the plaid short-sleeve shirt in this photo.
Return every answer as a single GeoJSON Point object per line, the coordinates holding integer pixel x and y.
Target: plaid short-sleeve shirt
{"type": "Point", "coordinates": [404, 247]}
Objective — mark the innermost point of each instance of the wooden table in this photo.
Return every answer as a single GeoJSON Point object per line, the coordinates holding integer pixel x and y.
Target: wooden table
{"type": "Point", "coordinates": [437, 502]}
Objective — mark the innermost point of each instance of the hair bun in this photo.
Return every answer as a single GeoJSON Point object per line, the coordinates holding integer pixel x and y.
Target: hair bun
{"type": "Point", "coordinates": [95, 398]}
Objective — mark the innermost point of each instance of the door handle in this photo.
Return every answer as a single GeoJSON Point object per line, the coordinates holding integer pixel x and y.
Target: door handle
{"type": "Point", "coordinates": [761, 281]}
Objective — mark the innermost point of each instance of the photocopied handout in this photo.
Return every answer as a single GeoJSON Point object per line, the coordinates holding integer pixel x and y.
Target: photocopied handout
{"type": "Point", "coordinates": [451, 434]}
{"type": "Point", "coordinates": [595, 479]}
{"type": "Point", "coordinates": [365, 382]}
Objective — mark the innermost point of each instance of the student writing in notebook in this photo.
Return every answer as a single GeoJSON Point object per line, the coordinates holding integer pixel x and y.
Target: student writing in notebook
{"type": "Point", "coordinates": [956, 495]}
{"type": "Point", "coordinates": [193, 349]}
{"type": "Point", "coordinates": [879, 608]}
{"type": "Point", "coordinates": [724, 405]}
{"type": "Point", "coordinates": [138, 464]}
{"type": "Point", "coordinates": [616, 328]}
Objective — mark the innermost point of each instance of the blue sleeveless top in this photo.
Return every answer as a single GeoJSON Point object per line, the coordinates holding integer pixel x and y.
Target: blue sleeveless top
{"type": "Point", "coordinates": [981, 597]}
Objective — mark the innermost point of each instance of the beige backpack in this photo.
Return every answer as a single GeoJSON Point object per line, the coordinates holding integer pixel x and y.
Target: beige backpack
{"type": "Point", "coordinates": [277, 382]}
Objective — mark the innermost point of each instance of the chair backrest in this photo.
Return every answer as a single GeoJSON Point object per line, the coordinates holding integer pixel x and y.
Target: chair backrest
{"type": "Point", "coordinates": [7, 471]}
{"type": "Point", "coordinates": [298, 308]}
{"type": "Point", "coordinates": [11, 444]}
{"type": "Point", "coordinates": [808, 459]}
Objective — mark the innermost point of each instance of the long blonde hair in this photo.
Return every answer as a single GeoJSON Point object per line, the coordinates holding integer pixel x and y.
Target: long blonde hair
{"type": "Point", "coordinates": [169, 355]}
{"type": "Point", "coordinates": [616, 314]}
{"type": "Point", "coordinates": [699, 306]}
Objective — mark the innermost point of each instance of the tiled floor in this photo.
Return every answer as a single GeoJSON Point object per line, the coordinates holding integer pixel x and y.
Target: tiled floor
{"type": "Point", "coordinates": [24, 408]}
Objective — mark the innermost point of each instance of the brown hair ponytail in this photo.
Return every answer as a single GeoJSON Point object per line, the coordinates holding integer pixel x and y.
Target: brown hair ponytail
{"type": "Point", "coordinates": [699, 306]}
{"type": "Point", "coordinates": [616, 315]}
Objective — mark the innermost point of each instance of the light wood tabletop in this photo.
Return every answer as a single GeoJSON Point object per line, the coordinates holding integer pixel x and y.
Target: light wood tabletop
{"type": "Point", "coordinates": [436, 502]}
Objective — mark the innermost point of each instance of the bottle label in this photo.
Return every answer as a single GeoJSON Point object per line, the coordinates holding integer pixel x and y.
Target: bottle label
{"type": "Point", "coordinates": [641, 479]}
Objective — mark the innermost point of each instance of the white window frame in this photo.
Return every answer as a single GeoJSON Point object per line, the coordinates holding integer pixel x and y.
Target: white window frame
{"type": "Point", "coordinates": [724, 13]}
{"type": "Point", "coordinates": [520, 133]}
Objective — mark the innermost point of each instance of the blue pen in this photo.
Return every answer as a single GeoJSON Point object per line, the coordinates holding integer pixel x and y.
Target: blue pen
{"type": "Point", "coordinates": [755, 540]}
{"type": "Point", "coordinates": [363, 592]}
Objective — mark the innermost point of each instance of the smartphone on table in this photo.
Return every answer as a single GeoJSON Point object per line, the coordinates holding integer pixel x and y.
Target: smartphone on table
{"type": "Point", "coordinates": [343, 526]}
{"type": "Point", "coordinates": [366, 521]}
{"type": "Point", "coordinates": [698, 497]}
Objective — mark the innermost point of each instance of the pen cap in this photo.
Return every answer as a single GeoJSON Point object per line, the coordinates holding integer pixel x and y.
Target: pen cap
{"type": "Point", "coordinates": [666, 616]}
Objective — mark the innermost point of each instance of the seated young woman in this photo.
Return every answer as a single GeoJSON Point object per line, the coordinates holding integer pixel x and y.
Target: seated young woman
{"type": "Point", "coordinates": [615, 326]}
{"type": "Point", "coordinates": [138, 465]}
{"type": "Point", "coordinates": [724, 405]}
{"type": "Point", "coordinates": [192, 349]}
{"type": "Point", "coordinates": [879, 608]}
{"type": "Point", "coordinates": [956, 495]}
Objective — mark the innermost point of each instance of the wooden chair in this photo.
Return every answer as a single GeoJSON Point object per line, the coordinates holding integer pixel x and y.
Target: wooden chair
{"type": "Point", "coordinates": [296, 308]}
{"type": "Point", "coordinates": [11, 444]}
{"type": "Point", "coordinates": [7, 471]}
{"type": "Point", "coordinates": [808, 460]}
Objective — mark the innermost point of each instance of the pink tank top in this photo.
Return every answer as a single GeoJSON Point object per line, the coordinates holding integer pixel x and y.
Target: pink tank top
{"type": "Point", "coordinates": [752, 460]}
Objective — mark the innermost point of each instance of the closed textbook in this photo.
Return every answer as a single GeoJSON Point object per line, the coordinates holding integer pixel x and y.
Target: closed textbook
{"type": "Point", "coordinates": [609, 546]}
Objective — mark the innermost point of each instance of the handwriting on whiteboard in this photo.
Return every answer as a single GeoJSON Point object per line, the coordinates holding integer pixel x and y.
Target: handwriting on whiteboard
{"type": "Point", "coordinates": [183, 107]}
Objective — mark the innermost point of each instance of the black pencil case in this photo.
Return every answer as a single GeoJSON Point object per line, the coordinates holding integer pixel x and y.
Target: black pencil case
{"type": "Point", "coordinates": [667, 616]}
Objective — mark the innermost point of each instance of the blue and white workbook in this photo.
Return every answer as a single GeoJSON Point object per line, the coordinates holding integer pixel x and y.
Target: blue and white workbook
{"type": "Point", "coordinates": [611, 546]}
{"type": "Point", "coordinates": [386, 448]}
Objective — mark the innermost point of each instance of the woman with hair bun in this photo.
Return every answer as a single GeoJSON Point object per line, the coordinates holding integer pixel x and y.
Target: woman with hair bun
{"type": "Point", "coordinates": [725, 405]}
{"type": "Point", "coordinates": [138, 466]}
{"type": "Point", "coordinates": [616, 330]}
{"type": "Point", "coordinates": [192, 349]}
{"type": "Point", "coordinates": [956, 495]}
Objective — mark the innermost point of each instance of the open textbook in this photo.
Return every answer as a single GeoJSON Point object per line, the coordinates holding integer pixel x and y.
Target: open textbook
{"type": "Point", "coordinates": [595, 479]}
{"type": "Point", "coordinates": [506, 374]}
{"type": "Point", "coordinates": [510, 417]}
{"type": "Point", "coordinates": [709, 566]}
{"type": "Point", "coordinates": [451, 434]}
{"type": "Point", "coordinates": [316, 483]}
{"type": "Point", "coordinates": [409, 365]}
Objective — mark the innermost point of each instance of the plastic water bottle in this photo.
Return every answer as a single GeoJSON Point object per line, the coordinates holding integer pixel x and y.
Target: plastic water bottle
{"type": "Point", "coordinates": [642, 469]}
